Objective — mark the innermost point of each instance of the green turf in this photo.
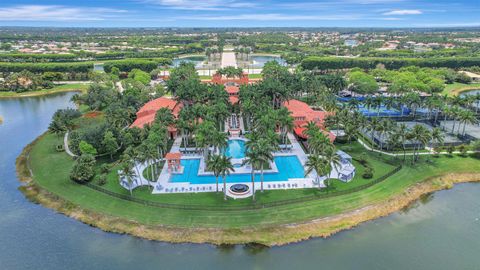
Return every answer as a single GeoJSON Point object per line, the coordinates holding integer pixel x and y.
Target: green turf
{"type": "Point", "coordinates": [51, 170]}
{"type": "Point", "coordinates": [56, 89]}
{"type": "Point", "coordinates": [455, 88]}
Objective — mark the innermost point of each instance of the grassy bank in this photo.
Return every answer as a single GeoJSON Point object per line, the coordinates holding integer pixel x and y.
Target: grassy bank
{"type": "Point", "coordinates": [271, 226]}
{"type": "Point", "coordinates": [57, 89]}
{"type": "Point", "coordinates": [457, 88]}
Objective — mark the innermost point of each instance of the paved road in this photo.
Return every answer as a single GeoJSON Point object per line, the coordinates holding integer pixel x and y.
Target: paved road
{"type": "Point", "coordinates": [229, 59]}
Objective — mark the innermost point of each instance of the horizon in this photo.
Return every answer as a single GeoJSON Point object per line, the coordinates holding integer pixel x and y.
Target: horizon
{"type": "Point", "coordinates": [378, 14]}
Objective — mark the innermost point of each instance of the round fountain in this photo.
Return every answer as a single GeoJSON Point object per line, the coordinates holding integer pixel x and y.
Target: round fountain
{"type": "Point", "coordinates": [239, 189]}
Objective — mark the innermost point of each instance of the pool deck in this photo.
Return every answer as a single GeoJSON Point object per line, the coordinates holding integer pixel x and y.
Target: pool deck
{"type": "Point", "coordinates": [164, 186]}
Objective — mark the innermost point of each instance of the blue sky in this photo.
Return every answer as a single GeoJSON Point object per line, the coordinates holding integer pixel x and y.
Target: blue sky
{"type": "Point", "coordinates": [241, 13]}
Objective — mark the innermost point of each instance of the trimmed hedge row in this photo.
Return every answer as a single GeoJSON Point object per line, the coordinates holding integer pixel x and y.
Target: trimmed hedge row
{"type": "Point", "coordinates": [129, 64]}
{"type": "Point", "coordinates": [326, 63]}
{"type": "Point", "coordinates": [124, 65]}
{"type": "Point", "coordinates": [44, 67]}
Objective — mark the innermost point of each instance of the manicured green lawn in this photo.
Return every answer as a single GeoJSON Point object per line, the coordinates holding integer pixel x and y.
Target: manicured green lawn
{"type": "Point", "coordinates": [56, 89]}
{"type": "Point", "coordinates": [456, 88]}
{"type": "Point", "coordinates": [51, 170]}
{"type": "Point", "coordinates": [255, 76]}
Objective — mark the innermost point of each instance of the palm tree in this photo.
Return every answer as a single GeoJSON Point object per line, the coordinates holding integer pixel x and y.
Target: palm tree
{"type": "Point", "coordinates": [127, 172]}
{"type": "Point", "coordinates": [252, 158]}
{"type": "Point", "coordinates": [150, 155]}
{"type": "Point", "coordinates": [213, 165]}
{"type": "Point", "coordinates": [382, 128]}
{"type": "Point", "coordinates": [57, 127]}
{"type": "Point", "coordinates": [225, 167]}
{"type": "Point", "coordinates": [285, 121]}
{"type": "Point", "coordinates": [311, 128]}
{"type": "Point", "coordinates": [318, 142]}
{"type": "Point", "coordinates": [372, 125]}
{"type": "Point", "coordinates": [218, 141]}
{"type": "Point", "coordinates": [437, 136]}
{"type": "Point", "coordinates": [467, 117]}
{"type": "Point", "coordinates": [264, 151]}
{"type": "Point", "coordinates": [402, 133]}
{"type": "Point", "coordinates": [319, 165]}
{"type": "Point", "coordinates": [333, 159]}
{"type": "Point", "coordinates": [421, 135]}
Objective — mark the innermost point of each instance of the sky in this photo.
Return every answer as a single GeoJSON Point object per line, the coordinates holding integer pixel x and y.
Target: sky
{"type": "Point", "coordinates": [240, 13]}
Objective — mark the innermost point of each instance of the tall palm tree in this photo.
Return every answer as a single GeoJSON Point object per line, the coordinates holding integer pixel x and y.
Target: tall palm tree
{"type": "Point", "coordinates": [285, 122]}
{"type": "Point", "coordinates": [318, 142]}
{"type": "Point", "coordinates": [126, 167]}
{"type": "Point", "coordinates": [333, 159]}
{"type": "Point", "coordinates": [421, 135]}
{"type": "Point", "coordinates": [403, 134]}
{"type": "Point", "coordinates": [252, 158]}
{"type": "Point", "coordinates": [467, 117]}
{"type": "Point", "coordinates": [437, 136]}
{"type": "Point", "coordinates": [264, 151]}
{"type": "Point", "coordinates": [319, 165]}
{"type": "Point", "coordinates": [218, 141]}
{"type": "Point", "coordinates": [213, 165]}
{"type": "Point", "coordinates": [224, 168]}
{"type": "Point", "coordinates": [150, 155]}
{"type": "Point", "coordinates": [372, 125]}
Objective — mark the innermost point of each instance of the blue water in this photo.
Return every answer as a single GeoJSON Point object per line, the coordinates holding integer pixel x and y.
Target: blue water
{"type": "Point", "coordinates": [440, 232]}
{"type": "Point", "coordinates": [260, 60]}
{"type": "Point", "coordinates": [235, 149]}
{"type": "Point", "coordinates": [196, 60]}
{"type": "Point", "coordinates": [472, 93]}
{"type": "Point", "coordinates": [288, 167]}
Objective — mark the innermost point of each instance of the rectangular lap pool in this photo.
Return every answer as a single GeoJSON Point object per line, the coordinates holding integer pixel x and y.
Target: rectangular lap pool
{"type": "Point", "coordinates": [288, 167]}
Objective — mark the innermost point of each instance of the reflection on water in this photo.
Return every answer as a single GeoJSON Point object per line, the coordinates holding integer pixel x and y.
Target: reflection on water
{"type": "Point", "coordinates": [258, 61]}
{"type": "Point", "coordinates": [196, 60]}
{"type": "Point", "coordinates": [424, 199]}
{"type": "Point", "coordinates": [441, 234]}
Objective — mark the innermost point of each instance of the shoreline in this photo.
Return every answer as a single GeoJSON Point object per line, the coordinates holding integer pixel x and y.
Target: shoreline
{"type": "Point", "coordinates": [3, 95]}
{"type": "Point", "coordinates": [460, 90]}
{"type": "Point", "coordinates": [284, 234]}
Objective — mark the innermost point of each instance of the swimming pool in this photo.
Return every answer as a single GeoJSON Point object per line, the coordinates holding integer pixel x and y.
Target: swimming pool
{"type": "Point", "coordinates": [288, 167]}
{"type": "Point", "coordinates": [235, 149]}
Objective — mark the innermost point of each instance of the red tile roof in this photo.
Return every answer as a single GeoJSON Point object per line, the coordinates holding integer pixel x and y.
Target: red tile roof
{"type": "Point", "coordinates": [302, 114]}
{"type": "Point", "coordinates": [233, 99]}
{"type": "Point", "coordinates": [232, 89]}
{"type": "Point", "coordinates": [171, 155]}
{"type": "Point", "coordinates": [146, 114]}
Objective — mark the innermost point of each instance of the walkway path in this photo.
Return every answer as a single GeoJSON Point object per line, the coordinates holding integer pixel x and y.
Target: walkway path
{"type": "Point", "coordinates": [229, 59]}
{"type": "Point", "coordinates": [66, 147]}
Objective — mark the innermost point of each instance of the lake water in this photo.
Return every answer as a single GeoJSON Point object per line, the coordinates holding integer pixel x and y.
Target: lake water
{"type": "Point", "coordinates": [441, 232]}
{"type": "Point", "coordinates": [196, 60]}
{"type": "Point", "coordinates": [471, 93]}
{"type": "Point", "coordinates": [260, 60]}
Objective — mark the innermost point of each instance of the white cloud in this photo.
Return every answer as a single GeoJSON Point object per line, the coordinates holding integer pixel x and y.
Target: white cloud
{"type": "Point", "coordinates": [403, 12]}
{"type": "Point", "coordinates": [202, 4]}
{"type": "Point", "coordinates": [270, 17]}
{"type": "Point", "coordinates": [56, 13]}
